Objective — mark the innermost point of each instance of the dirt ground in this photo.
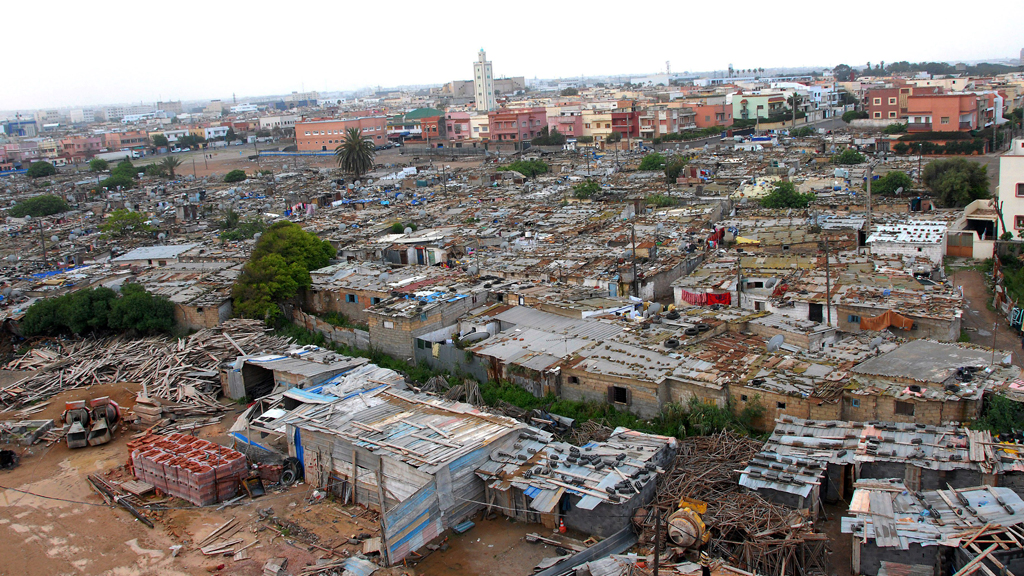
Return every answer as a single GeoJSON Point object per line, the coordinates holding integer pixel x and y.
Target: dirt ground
{"type": "Point", "coordinates": [978, 320]}
{"type": "Point", "coordinates": [64, 527]}
{"type": "Point", "coordinates": [493, 547]}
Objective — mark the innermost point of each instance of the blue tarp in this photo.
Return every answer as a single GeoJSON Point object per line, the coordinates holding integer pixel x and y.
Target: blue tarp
{"type": "Point", "coordinates": [49, 273]}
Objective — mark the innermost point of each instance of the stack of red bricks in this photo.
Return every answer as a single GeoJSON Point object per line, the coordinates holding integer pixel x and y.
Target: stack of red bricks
{"type": "Point", "coordinates": [199, 471]}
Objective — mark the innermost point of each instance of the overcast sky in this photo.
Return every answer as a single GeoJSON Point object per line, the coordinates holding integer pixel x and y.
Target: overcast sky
{"type": "Point", "coordinates": [68, 53]}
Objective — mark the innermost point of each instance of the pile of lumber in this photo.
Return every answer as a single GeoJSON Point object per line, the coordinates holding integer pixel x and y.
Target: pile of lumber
{"type": "Point", "coordinates": [223, 541]}
{"type": "Point", "coordinates": [183, 371]}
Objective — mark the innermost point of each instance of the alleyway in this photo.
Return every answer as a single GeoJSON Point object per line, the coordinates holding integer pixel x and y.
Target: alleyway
{"type": "Point", "coordinates": [978, 319]}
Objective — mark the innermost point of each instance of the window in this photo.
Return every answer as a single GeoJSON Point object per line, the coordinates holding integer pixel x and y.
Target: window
{"type": "Point", "coordinates": [855, 402]}
{"type": "Point", "coordinates": [892, 114]}
{"type": "Point", "coordinates": [618, 395]}
{"type": "Point", "coordinates": [878, 101]}
{"type": "Point", "coordinates": [375, 300]}
{"type": "Point", "coordinates": [1020, 189]}
{"type": "Point", "coordinates": [199, 309]}
{"type": "Point", "coordinates": [780, 405]}
{"type": "Point", "coordinates": [351, 298]}
{"type": "Point", "coordinates": [904, 408]}
{"type": "Point", "coordinates": [878, 114]}
{"type": "Point", "coordinates": [423, 316]}
{"type": "Point", "coordinates": [892, 101]}
{"type": "Point", "coordinates": [944, 120]}
{"type": "Point", "coordinates": [389, 324]}
{"type": "Point", "coordinates": [743, 397]}
{"type": "Point", "coordinates": [853, 319]}
{"type": "Point", "coordinates": [587, 125]}
{"type": "Point", "coordinates": [420, 344]}
{"type": "Point", "coordinates": [574, 380]}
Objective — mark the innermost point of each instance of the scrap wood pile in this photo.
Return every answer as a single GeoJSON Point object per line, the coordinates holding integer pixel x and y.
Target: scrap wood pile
{"type": "Point", "coordinates": [706, 469]}
{"type": "Point", "coordinates": [182, 371]}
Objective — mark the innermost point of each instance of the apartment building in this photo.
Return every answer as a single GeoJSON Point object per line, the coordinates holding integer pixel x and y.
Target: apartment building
{"type": "Point", "coordinates": [1011, 186]}
{"type": "Point", "coordinates": [942, 112]}
{"type": "Point", "coordinates": [518, 124]}
{"type": "Point", "coordinates": [707, 115]}
{"type": "Point", "coordinates": [325, 134]}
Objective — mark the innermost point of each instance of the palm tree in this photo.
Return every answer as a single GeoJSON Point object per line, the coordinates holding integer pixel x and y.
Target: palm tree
{"type": "Point", "coordinates": [355, 154]}
{"type": "Point", "coordinates": [169, 164]}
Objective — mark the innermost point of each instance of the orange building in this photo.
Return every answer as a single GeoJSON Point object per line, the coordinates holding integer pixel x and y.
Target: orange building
{"type": "Point", "coordinates": [325, 134]}
{"type": "Point", "coordinates": [942, 112]}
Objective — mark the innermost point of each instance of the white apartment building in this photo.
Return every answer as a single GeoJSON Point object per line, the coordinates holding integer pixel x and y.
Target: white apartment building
{"type": "Point", "coordinates": [1011, 187]}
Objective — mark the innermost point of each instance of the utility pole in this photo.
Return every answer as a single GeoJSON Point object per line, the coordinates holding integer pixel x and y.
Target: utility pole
{"type": "Point", "coordinates": [828, 287]}
{"type": "Point", "coordinates": [995, 325]}
{"type": "Point", "coordinates": [194, 177]}
{"type": "Point", "coordinates": [657, 539]}
{"type": "Point", "coordinates": [636, 285]}
{"type": "Point", "coordinates": [869, 196]}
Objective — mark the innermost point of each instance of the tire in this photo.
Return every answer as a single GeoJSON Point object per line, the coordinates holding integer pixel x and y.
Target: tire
{"type": "Point", "coordinates": [703, 327]}
{"type": "Point", "coordinates": [691, 331]}
{"type": "Point", "coordinates": [672, 343]}
{"type": "Point", "coordinates": [287, 477]}
{"type": "Point", "coordinates": [673, 315]}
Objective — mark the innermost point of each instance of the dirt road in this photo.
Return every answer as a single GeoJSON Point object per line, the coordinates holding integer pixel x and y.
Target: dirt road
{"type": "Point", "coordinates": [978, 320]}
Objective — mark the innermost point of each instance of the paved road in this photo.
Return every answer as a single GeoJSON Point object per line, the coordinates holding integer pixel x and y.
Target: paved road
{"type": "Point", "coordinates": [978, 320]}
{"type": "Point", "coordinates": [830, 124]}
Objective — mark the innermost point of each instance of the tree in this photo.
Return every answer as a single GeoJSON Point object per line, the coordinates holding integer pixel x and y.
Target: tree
{"type": "Point", "coordinates": [140, 311]}
{"type": "Point", "coordinates": [355, 153]}
{"type": "Point", "coordinates": [160, 141]}
{"type": "Point", "coordinates": [552, 138]}
{"type": "Point", "coordinates": [98, 165]}
{"type": "Point", "coordinates": [190, 141]}
{"type": "Point", "coordinates": [891, 182]}
{"type": "Point", "coordinates": [45, 205]}
{"type": "Point", "coordinates": [794, 103]}
{"type": "Point", "coordinates": [41, 169]}
{"type": "Point", "coordinates": [170, 164]}
{"type": "Point", "coordinates": [156, 170]}
{"type": "Point", "coordinates": [528, 168]}
{"type": "Point", "coordinates": [785, 195]}
{"type": "Point", "coordinates": [653, 161]}
{"type": "Point", "coordinates": [115, 181]}
{"type": "Point", "coordinates": [585, 139]}
{"type": "Point", "coordinates": [569, 92]}
{"type": "Point", "coordinates": [235, 176]}
{"type": "Point", "coordinates": [614, 137]}
{"type": "Point", "coordinates": [900, 147]}
{"type": "Point", "coordinates": [586, 189]}
{"type": "Point", "coordinates": [956, 181]}
{"type": "Point", "coordinates": [842, 73]}
{"type": "Point", "coordinates": [125, 168]}
{"type": "Point", "coordinates": [674, 166]}
{"type": "Point", "coordinates": [122, 223]}
{"type": "Point", "coordinates": [896, 128]}
{"type": "Point", "coordinates": [230, 135]}
{"type": "Point", "coordinates": [848, 156]}
{"type": "Point", "coordinates": [278, 269]}
{"type": "Point", "coordinates": [230, 221]}
{"type": "Point", "coordinates": [851, 115]}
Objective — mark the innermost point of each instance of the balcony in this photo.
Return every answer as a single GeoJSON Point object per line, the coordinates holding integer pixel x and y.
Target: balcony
{"type": "Point", "coordinates": [966, 126]}
{"type": "Point", "coordinates": [920, 127]}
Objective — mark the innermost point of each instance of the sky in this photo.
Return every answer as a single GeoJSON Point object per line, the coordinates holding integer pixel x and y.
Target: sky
{"type": "Point", "coordinates": [74, 53]}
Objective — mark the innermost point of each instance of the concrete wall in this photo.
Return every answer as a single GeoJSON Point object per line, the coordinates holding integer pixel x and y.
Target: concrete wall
{"type": "Point", "coordinates": [451, 358]}
{"type": "Point", "coordinates": [933, 252]}
{"type": "Point", "coordinates": [883, 409]}
{"type": "Point", "coordinates": [199, 317]}
{"type": "Point", "coordinates": [942, 329]}
{"type": "Point", "coordinates": [871, 556]}
{"type": "Point", "coordinates": [351, 337]}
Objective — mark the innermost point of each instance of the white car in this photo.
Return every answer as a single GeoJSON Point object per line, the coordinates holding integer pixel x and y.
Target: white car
{"type": "Point", "coordinates": [175, 149]}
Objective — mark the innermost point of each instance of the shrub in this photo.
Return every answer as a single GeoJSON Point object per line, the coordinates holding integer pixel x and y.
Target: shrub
{"type": "Point", "coordinates": [235, 176]}
{"type": "Point", "coordinates": [891, 182]}
{"type": "Point", "coordinates": [674, 166]}
{"type": "Point", "coordinates": [528, 168]}
{"type": "Point", "coordinates": [653, 161]}
{"type": "Point", "coordinates": [848, 156]}
{"type": "Point", "coordinates": [785, 195]}
{"type": "Point", "coordinates": [854, 115]}
{"type": "Point", "coordinates": [99, 309]}
{"type": "Point", "coordinates": [586, 189]}
{"type": "Point", "coordinates": [41, 169]}
{"type": "Point", "coordinates": [896, 128]}
{"type": "Point", "coordinates": [98, 165]}
{"type": "Point", "coordinates": [44, 205]}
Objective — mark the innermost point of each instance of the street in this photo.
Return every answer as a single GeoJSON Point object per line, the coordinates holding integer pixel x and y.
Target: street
{"type": "Point", "coordinates": [979, 321]}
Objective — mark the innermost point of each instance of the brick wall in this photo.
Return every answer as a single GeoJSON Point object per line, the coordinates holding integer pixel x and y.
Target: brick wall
{"type": "Point", "coordinates": [350, 337]}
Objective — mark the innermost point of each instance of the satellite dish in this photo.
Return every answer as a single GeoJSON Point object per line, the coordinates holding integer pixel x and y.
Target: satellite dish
{"type": "Point", "coordinates": [875, 343]}
{"type": "Point", "coordinates": [54, 239]}
{"type": "Point", "coordinates": [422, 213]}
{"type": "Point", "coordinates": [6, 292]}
{"type": "Point", "coordinates": [473, 270]}
{"type": "Point", "coordinates": [357, 183]}
{"type": "Point", "coordinates": [161, 236]}
{"type": "Point", "coordinates": [504, 245]}
{"type": "Point", "coordinates": [899, 190]}
{"type": "Point", "coordinates": [775, 343]}
{"type": "Point", "coordinates": [257, 235]}
{"type": "Point", "coordinates": [384, 277]}
{"type": "Point", "coordinates": [408, 230]}
{"type": "Point", "coordinates": [12, 258]}
{"type": "Point", "coordinates": [660, 227]}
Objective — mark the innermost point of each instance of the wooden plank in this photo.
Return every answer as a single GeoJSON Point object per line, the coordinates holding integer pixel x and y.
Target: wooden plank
{"type": "Point", "coordinates": [969, 568]}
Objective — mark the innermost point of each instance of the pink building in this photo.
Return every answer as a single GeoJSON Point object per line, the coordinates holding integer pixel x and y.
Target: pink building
{"type": "Point", "coordinates": [81, 146]}
{"type": "Point", "coordinates": [458, 125]}
{"type": "Point", "coordinates": [516, 124]}
{"type": "Point", "coordinates": [569, 124]}
{"type": "Point", "coordinates": [325, 134]}
{"type": "Point", "coordinates": [708, 115]}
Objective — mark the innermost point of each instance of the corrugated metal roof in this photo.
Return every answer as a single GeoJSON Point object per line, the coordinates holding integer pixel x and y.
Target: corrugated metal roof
{"type": "Point", "coordinates": [154, 252]}
{"type": "Point", "coordinates": [526, 317]}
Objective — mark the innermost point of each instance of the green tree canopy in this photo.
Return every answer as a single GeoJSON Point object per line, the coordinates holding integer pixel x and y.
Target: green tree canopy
{"type": "Point", "coordinates": [98, 165]}
{"type": "Point", "coordinates": [891, 182]}
{"type": "Point", "coordinates": [586, 189]}
{"type": "Point", "coordinates": [956, 181]}
{"type": "Point", "coordinates": [98, 309]}
{"type": "Point", "coordinates": [40, 169]}
{"type": "Point", "coordinates": [851, 115]}
{"type": "Point", "coordinates": [674, 166]}
{"type": "Point", "coordinates": [169, 165]}
{"type": "Point", "coordinates": [278, 268]}
{"type": "Point", "coordinates": [190, 141]}
{"type": "Point", "coordinates": [546, 138]}
{"type": "Point", "coordinates": [116, 180]}
{"type": "Point", "coordinates": [125, 168]}
{"type": "Point", "coordinates": [230, 136]}
{"type": "Point", "coordinates": [37, 206]}
{"type": "Point", "coordinates": [355, 154]}
{"type": "Point", "coordinates": [614, 137]}
{"type": "Point", "coordinates": [785, 195]}
{"type": "Point", "coordinates": [569, 92]}
{"type": "Point", "coordinates": [653, 161]}
{"type": "Point", "coordinates": [160, 141]}
{"type": "Point", "coordinates": [528, 168]}
{"type": "Point", "coordinates": [235, 176]}
{"type": "Point", "coordinates": [123, 223]}
{"type": "Point", "coordinates": [848, 156]}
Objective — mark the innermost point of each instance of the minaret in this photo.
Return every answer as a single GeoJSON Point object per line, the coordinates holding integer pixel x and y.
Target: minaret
{"type": "Point", "coordinates": [483, 83]}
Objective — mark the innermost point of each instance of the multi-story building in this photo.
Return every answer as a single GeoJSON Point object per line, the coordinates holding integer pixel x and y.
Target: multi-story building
{"type": "Point", "coordinates": [325, 134]}
{"type": "Point", "coordinates": [888, 103]}
{"type": "Point", "coordinates": [81, 116]}
{"type": "Point", "coordinates": [707, 115]}
{"type": "Point", "coordinates": [568, 120]}
{"type": "Point", "coordinates": [457, 125]}
{"type": "Point", "coordinates": [1011, 186]}
{"type": "Point", "coordinates": [661, 119]}
{"type": "Point", "coordinates": [483, 83]}
{"type": "Point", "coordinates": [517, 124]}
{"type": "Point", "coordinates": [82, 146]}
{"type": "Point", "coordinates": [626, 121]}
{"type": "Point", "coordinates": [480, 126]}
{"type": "Point", "coordinates": [942, 112]}
{"type": "Point", "coordinates": [129, 139]}
{"type": "Point", "coordinates": [597, 124]}
{"type": "Point", "coordinates": [172, 107]}
{"type": "Point", "coordinates": [749, 105]}
{"type": "Point", "coordinates": [282, 121]}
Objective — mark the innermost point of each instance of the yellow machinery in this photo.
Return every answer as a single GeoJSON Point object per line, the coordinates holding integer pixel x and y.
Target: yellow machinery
{"type": "Point", "coordinates": [686, 529]}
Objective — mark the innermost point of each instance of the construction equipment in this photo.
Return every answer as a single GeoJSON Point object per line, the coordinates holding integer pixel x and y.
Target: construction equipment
{"type": "Point", "coordinates": [91, 422]}
{"type": "Point", "coordinates": [686, 529]}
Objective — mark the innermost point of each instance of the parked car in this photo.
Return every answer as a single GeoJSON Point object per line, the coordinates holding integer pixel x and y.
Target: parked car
{"type": "Point", "coordinates": [175, 149]}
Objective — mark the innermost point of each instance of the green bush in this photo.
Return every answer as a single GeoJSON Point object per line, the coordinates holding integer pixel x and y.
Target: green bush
{"type": "Point", "coordinates": [891, 182]}
{"type": "Point", "coordinates": [586, 189]}
{"type": "Point", "coordinates": [803, 132]}
{"type": "Point", "coordinates": [852, 115]}
{"type": "Point", "coordinates": [785, 195]}
{"type": "Point", "coordinates": [674, 166]}
{"type": "Point", "coordinates": [125, 182]}
{"type": "Point", "coordinates": [1000, 415]}
{"type": "Point", "coordinates": [896, 128]}
{"type": "Point", "coordinates": [44, 205]}
{"type": "Point", "coordinates": [244, 231]}
{"type": "Point", "coordinates": [98, 165]}
{"type": "Point", "coordinates": [661, 200]}
{"type": "Point", "coordinates": [653, 161]}
{"type": "Point", "coordinates": [528, 168]}
{"type": "Point", "coordinates": [235, 176]}
{"type": "Point", "coordinates": [552, 138]}
{"type": "Point", "coordinates": [99, 309]}
{"type": "Point", "coordinates": [900, 148]}
{"type": "Point", "coordinates": [41, 169]}
{"type": "Point", "coordinates": [956, 181]}
{"type": "Point", "coordinates": [849, 156]}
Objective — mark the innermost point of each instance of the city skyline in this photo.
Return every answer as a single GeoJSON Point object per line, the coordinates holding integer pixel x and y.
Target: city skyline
{"type": "Point", "coordinates": [198, 64]}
